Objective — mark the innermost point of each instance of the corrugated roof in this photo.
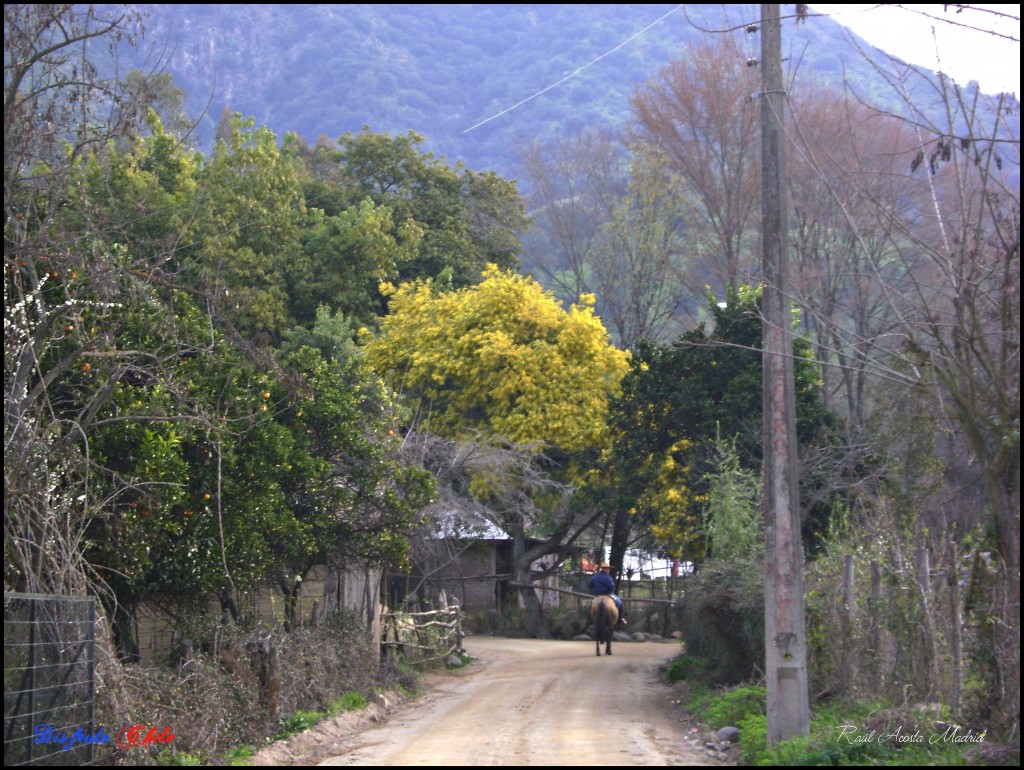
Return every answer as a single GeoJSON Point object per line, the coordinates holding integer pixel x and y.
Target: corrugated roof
{"type": "Point", "coordinates": [467, 525]}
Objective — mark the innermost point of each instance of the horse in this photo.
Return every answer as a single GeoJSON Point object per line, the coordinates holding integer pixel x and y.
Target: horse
{"type": "Point", "coordinates": [605, 616]}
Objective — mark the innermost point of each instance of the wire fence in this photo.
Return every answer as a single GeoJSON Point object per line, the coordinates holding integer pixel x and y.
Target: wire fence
{"type": "Point", "coordinates": [49, 665]}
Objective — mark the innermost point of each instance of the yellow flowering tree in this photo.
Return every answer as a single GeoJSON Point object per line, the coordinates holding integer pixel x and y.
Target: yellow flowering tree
{"type": "Point", "coordinates": [501, 358]}
{"type": "Point", "coordinates": [504, 363]}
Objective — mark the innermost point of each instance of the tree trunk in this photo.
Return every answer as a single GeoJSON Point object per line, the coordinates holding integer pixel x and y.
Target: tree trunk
{"type": "Point", "coordinates": [620, 540]}
{"type": "Point", "coordinates": [533, 617]}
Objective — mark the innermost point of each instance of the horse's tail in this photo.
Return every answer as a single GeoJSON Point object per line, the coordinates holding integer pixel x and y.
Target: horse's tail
{"type": "Point", "coordinates": [600, 624]}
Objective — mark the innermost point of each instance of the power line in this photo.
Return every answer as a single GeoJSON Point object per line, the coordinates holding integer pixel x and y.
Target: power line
{"type": "Point", "coordinates": [575, 72]}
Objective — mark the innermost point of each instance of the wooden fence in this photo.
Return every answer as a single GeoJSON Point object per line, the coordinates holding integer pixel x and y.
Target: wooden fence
{"type": "Point", "coordinates": [900, 627]}
{"type": "Point", "coordinates": [422, 637]}
{"type": "Point", "coordinates": [648, 605]}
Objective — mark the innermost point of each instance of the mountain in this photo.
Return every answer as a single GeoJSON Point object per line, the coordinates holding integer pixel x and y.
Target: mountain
{"type": "Point", "coordinates": [471, 79]}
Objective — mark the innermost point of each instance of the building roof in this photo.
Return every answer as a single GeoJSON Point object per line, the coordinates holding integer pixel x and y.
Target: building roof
{"type": "Point", "coordinates": [467, 525]}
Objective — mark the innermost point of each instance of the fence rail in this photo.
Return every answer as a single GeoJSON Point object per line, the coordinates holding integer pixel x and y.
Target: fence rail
{"type": "Point", "coordinates": [422, 637]}
{"type": "Point", "coordinates": [49, 663]}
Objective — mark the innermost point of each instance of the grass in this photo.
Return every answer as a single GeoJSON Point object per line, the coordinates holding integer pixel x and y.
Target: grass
{"type": "Point", "coordinates": [301, 721]}
{"type": "Point", "coordinates": [849, 733]}
{"type": "Point", "coordinates": [297, 723]}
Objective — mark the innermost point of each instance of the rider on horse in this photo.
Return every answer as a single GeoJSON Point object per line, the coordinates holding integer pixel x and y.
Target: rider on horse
{"type": "Point", "coordinates": [601, 583]}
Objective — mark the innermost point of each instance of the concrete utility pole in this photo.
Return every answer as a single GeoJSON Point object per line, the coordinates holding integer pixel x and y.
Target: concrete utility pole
{"type": "Point", "coordinates": [785, 631]}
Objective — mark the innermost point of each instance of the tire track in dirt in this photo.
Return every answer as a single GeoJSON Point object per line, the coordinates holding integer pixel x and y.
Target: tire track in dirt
{"type": "Point", "coordinates": [532, 702]}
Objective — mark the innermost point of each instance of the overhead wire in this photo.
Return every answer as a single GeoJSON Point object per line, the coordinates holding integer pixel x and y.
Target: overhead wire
{"type": "Point", "coordinates": [576, 71]}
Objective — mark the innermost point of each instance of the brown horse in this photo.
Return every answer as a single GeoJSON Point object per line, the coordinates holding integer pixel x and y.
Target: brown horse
{"type": "Point", "coordinates": [605, 616]}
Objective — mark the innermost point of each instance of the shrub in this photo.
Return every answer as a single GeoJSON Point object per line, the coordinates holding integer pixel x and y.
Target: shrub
{"type": "Point", "coordinates": [321, 669]}
{"type": "Point", "coordinates": [734, 706]}
{"type": "Point", "coordinates": [684, 668]}
{"type": "Point", "coordinates": [723, 621]}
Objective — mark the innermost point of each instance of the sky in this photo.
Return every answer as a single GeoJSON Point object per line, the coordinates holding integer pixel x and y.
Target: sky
{"type": "Point", "coordinates": [967, 51]}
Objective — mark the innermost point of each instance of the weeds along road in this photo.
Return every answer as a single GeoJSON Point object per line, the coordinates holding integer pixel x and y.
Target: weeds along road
{"type": "Point", "coordinates": [533, 702]}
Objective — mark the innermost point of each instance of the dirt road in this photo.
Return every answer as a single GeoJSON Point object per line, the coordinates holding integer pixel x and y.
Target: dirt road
{"type": "Point", "coordinates": [530, 702]}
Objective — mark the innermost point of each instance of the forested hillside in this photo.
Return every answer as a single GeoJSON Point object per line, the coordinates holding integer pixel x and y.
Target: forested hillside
{"type": "Point", "coordinates": [452, 73]}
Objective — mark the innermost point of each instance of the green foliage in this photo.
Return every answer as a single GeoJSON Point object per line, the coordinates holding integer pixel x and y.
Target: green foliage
{"type": "Point", "coordinates": [851, 735]}
{"type": "Point", "coordinates": [345, 257]}
{"type": "Point", "coordinates": [169, 757]}
{"type": "Point", "coordinates": [154, 174]}
{"type": "Point", "coordinates": [239, 755]}
{"type": "Point", "coordinates": [342, 428]}
{"type": "Point", "coordinates": [848, 733]}
{"type": "Point", "coordinates": [211, 476]}
{"type": "Point", "coordinates": [299, 722]}
{"type": "Point", "coordinates": [347, 701]}
{"type": "Point", "coordinates": [685, 668]}
{"type": "Point", "coordinates": [733, 706]}
{"type": "Point", "coordinates": [723, 621]}
{"type": "Point", "coordinates": [406, 215]}
{"type": "Point", "coordinates": [677, 402]}
{"type": "Point", "coordinates": [249, 228]}
{"type": "Point", "coordinates": [733, 509]}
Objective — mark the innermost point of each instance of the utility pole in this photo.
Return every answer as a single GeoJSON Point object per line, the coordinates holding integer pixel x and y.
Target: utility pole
{"type": "Point", "coordinates": [785, 631]}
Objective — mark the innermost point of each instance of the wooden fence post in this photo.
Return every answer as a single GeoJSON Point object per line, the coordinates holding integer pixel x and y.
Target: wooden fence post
{"type": "Point", "coordinates": [955, 621]}
{"type": "Point", "coordinates": [458, 627]}
{"type": "Point", "coordinates": [271, 678]}
{"type": "Point", "coordinates": [847, 621]}
{"type": "Point", "coordinates": [874, 633]}
{"type": "Point", "coordinates": [922, 570]}
{"type": "Point", "coordinates": [849, 600]}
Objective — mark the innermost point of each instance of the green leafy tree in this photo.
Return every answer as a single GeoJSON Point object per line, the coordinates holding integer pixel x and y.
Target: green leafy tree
{"type": "Point", "coordinates": [733, 530]}
{"type": "Point", "coordinates": [147, 458]}
{"type": "Point", "coordinates": [250, 219]}
{"type": "Point", "coordinates": [677, 400]}
{"type": "Point", "coordinates": [466, 219]}
{"type": "Point", "coordinates": [356, 497]}
{"type": "Point", "coordinates": [344, 259]}
{"type": "Point", "coordinates": [158, 92]}
{"type": "Point", "coordinates": [184, 469]}
{"type": "Point", "coordinates": [140, 197]}
{"type": "Point", "coordinates": [241, 475]}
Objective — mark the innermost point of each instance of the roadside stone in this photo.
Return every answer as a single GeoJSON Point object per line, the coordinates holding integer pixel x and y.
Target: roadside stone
{"type": "Point", "coordinates": [729, 734]}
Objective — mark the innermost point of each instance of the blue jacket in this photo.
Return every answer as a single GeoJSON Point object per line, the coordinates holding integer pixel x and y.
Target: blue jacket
{"type": "Point", "coordinates": [601, 583]}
